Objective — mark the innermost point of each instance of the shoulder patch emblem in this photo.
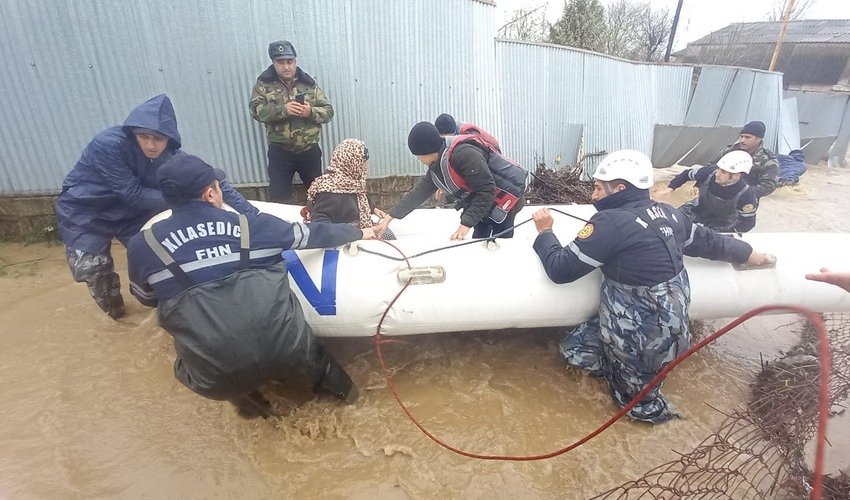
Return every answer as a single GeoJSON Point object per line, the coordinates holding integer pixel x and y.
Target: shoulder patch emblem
{"type": "Point", "coordinates": [586, 231]}
{"type": "Point", "coordinates": [748, 208]}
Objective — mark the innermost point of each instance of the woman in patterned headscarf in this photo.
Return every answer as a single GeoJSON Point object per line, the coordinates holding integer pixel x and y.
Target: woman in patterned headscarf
{"type": "Point", "coordinates": [339, 195]}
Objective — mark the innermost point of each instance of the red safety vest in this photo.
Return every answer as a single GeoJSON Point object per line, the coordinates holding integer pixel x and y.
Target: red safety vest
{"type": "Point", "coordinates": [509, 177]}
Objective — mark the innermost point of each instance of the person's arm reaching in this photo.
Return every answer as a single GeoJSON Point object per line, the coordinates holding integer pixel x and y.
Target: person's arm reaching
{"type": "Point", "coordinates": [840, 279]}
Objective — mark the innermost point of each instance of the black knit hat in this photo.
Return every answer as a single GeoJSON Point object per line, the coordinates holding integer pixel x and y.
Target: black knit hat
{"type": "Point", "coordinates": [446, 124]}
{"type": "Point", "coordinates": [424, 139]}
{"type": "Point", "coordinates": [754, 128]}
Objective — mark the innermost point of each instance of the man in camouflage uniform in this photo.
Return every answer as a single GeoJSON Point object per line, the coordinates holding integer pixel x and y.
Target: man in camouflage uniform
{"type": "Point", "coordinates": [638, 245]}
{"type": "Point", "coordinates": [764, 175]}
{"type": "Point", "coordinates": [293, 108]}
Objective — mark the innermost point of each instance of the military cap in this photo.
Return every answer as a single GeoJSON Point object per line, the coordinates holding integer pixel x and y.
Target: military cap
{"type": "Point", "coordinates": [281, 49]}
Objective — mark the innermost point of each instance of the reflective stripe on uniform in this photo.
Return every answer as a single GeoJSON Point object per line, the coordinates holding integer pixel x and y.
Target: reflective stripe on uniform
{"type": "Point", "coordinates": [590, 261]}
{"type": "Point", "coordinates": [215, 261]}
{"type": "Point", "coordinates": [301, 234]}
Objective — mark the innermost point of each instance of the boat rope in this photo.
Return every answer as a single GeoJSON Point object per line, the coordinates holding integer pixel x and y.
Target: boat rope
{"type": "Point", "coordinates": [823, 399]}
{"type": "Point", "coordinates": [470, 242]}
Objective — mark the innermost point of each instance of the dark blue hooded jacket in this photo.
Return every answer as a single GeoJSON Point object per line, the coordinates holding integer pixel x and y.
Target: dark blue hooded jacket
{"type": "Point", "coordinates": [112, 190]}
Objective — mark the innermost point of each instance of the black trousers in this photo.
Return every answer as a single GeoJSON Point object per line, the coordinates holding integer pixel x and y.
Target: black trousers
{"type": "Point", "coordinates": [487, 227]}
{"type": "Point", "coordinates": [282, 167]}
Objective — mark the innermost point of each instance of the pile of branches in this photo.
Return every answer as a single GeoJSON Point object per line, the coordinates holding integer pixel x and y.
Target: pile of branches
{"type": "Point", "coordinates": [759, 452]}
{"type": "Point", "coordinates": [558, 187]}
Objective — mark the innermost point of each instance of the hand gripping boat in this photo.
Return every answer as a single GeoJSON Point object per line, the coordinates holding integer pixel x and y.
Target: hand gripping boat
{"type": "Point", "coordinates": [486, 286]}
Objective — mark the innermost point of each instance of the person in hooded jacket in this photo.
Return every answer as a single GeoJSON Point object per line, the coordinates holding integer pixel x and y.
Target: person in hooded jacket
{"type": "Point", "coordinates": [638, 244]}
{"type": "Point", "coordinates": [293, 108]}
{"type": "Point", "coordinates": [219, 282]}
{"type": "Point", "coordinates": [112, 191]}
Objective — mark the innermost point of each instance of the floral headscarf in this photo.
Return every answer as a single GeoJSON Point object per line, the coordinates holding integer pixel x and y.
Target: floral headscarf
{"type": "Point", "coordinates": [346, 174]}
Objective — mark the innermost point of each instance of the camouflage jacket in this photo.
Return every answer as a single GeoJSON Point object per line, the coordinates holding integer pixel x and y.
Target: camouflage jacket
{"type": "Point", "coordinates": [267, 105]}
{"type": "Point", "coordinates": [764, 175]}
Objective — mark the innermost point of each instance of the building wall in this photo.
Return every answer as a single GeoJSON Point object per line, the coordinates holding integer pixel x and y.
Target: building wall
{"type": "Point", "coordinates": [810, 66]}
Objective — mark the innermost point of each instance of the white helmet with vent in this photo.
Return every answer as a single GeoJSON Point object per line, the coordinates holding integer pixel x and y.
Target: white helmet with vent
{"type": "Point", "coordinates": [736, 162]}
{"type": "Point", "coordinates": [629, 165]}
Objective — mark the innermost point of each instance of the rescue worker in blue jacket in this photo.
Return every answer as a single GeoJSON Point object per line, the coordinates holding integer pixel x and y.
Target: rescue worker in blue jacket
{"type": "Point", "coordinates": [638, 244]}
{"type": "Point", "coordinates": [221, 290]}
{"type": "Point", "coordinates": [488, 188]}
{"type": "Point", "coordinates": [112, 191]}
{"type": "Point", "coordinates": [726, 203]}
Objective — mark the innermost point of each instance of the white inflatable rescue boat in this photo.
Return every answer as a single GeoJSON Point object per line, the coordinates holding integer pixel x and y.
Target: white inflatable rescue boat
{"type": "Point", "coordinates": [498, 285]}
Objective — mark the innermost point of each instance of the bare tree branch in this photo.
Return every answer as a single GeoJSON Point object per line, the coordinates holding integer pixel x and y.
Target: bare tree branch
{"type": "Point", "coordinates": [778, 9]}
{"type": "Point", "coordinates": [527, 25]}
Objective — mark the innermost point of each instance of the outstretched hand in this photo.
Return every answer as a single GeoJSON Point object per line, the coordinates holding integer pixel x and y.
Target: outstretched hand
{"type": "Point", "coordinates": [759, 259]}
{"type": "Point", "coordinates": [840, 279]}
{"type": "Point", "coordinates": [381, 226]}
{"type": "Point", "coordinates": [460, 233]}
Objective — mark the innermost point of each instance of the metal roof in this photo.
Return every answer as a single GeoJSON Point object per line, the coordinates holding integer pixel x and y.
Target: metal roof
{"type": "Point", "coordinates": [801, 31]}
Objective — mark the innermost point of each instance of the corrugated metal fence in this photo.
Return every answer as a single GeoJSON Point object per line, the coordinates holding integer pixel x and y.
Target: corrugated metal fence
{"type": "Point", "coordinates": [75, 68]}
{"type": "Point", "coordinates": [824, 121]}
{"type": "Point", "coordinates": [551, 94]}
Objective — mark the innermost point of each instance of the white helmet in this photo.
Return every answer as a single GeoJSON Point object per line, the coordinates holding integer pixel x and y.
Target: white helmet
{"type": "Point", "coordinates": [736, 162]}
{"type": "Point", "coordinates": [629, 165]}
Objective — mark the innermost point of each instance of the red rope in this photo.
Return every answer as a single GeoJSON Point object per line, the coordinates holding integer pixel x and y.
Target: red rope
{"type": "Point", "coordinates": [823, 400]}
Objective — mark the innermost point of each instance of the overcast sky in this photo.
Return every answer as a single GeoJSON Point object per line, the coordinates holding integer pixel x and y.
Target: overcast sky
{"type": "Point", "coordinates": [698, 17]}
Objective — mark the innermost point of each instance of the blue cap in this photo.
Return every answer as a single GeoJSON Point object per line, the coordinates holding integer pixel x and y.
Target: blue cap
{"type": "Point", "coordinates": [183, 177]}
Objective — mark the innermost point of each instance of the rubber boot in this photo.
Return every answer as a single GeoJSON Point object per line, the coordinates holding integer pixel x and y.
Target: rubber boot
{"type": "Point", "coordinates": [252, 405]}
{"type": "Point", "coordinates": [337, 383]}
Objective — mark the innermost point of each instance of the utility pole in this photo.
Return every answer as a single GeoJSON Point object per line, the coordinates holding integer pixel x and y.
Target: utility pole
{"type": "Point", "coordinates": [788, 8]}
{"type": "Point", "coordinates": [673, 32]}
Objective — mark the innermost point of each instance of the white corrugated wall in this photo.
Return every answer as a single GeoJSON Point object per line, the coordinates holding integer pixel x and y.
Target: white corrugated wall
{"type": "Point", "coordinates": [75, 68]}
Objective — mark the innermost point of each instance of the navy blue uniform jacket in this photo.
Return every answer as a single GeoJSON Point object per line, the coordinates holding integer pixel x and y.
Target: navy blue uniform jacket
{"type": "Point", "coordinates": [112, 190]}
{"type": "Point", "coordinates": [619, 240]}
{"type": "Point", "coordinates": [205, 241]}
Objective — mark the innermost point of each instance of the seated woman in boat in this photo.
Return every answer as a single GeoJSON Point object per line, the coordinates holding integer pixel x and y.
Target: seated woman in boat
{"type": "Point", "coordinates": [339, 195]}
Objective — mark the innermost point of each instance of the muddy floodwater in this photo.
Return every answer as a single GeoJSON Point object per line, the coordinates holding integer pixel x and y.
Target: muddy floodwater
{"type": "Point", "coordinates": [90, 407]}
